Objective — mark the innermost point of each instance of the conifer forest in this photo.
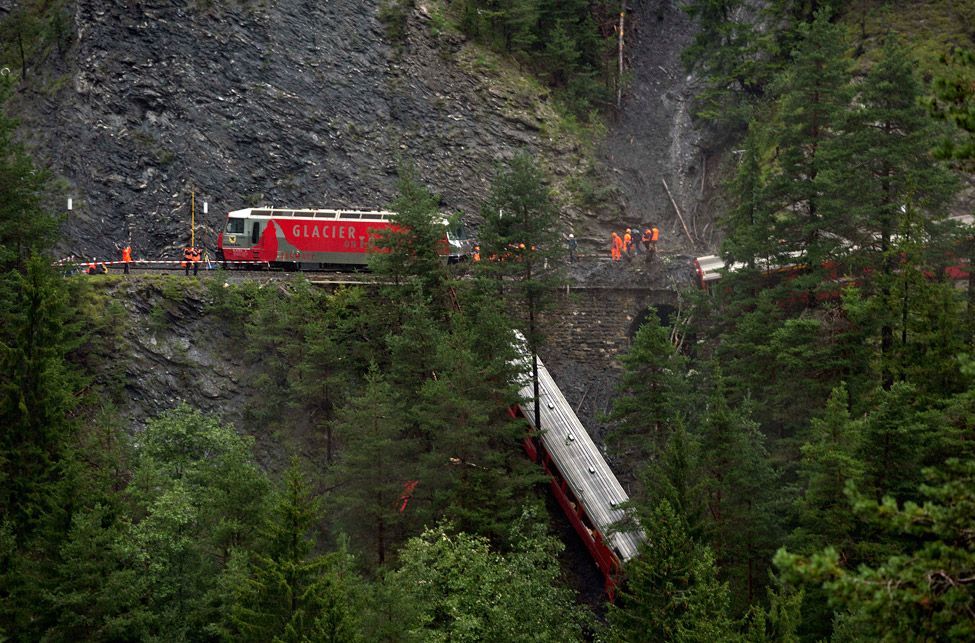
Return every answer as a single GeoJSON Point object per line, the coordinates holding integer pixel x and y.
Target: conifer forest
{"type": "Point", "coordinates": [797, 438]}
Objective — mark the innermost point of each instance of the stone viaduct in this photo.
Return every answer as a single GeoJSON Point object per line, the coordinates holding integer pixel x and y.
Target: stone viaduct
{"type": "Point", "coordinates": [586, 332]}
{"type": "Point", "coordinates": [597, 323]}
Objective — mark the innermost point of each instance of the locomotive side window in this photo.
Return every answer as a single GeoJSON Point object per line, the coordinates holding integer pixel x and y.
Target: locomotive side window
{"type": "Point", "coordinates": [256, 232]}
{"type": "Point", "coordinates": [235, 226]}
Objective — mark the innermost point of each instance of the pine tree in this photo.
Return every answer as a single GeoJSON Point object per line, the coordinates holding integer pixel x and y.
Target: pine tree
{"type": "Point", "coordinates": [924, 592]}
{"type": "Point", "coordinates": [377, 460]}
{"type": "Point", "coordinates": [726, 51]}
{"type": "Point", "coordinates": [475, 473]}
{"type": "Point", "coordinates": [519, 231]}
{"type": "Point", "coordinates": [750, 221]}
{"type": "Point", "coordinates": [37, 391]}
{"type": "Point", "coordinates": [741, 496]}
{"type": "Point", "coordinates": [87, 591]}
{"type": "Point", "coordinates": [649, 395]}
{"type": "Point", "coordinates": [896, 436]}
{"type": "Point", "coordinates": [780, 623]}
{"type": "Point", "coordinates": [409, 249]}
{"type": "Point", "coordinates": [811, 94]}
{"type": "Point", "coordinates": [671, 591]}
{"type": "Point", "coordinates": [830, 460]}
{"type": "Point", "coordinates": [676, 478]}
{"type": "Point", "coordinates": [291, 594]}
{"type": "Point", "coordinates": [890, 175]}
{"type": "Point", "coordinates": [953, 100]}
{"type": "Point", "coordinates": [25, 225]}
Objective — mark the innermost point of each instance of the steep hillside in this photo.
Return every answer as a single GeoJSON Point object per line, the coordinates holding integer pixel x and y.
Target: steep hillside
{"type": "Point", "coordinates": [654, 139]}
{"type": "Point", "coordinates": [309, 104]}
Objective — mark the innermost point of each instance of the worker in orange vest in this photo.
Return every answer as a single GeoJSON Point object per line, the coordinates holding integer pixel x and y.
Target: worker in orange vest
{"type": "Point", "coordinates": [645, 239]}
{"type": "Point", "coordinates": [617, 248]}
{"type": "Point", "coordinates": [126, 257]}
{"type": "Point", "coordinates": [92, 268]}
{"type": "Point", "coordinates": [187, 259]}
{"type": "Point", "coordinates": [628, 242]}
{"type": "Point", "coordinates": [654, 235]}
{"type": "Point", "coordinates": [476, 255]}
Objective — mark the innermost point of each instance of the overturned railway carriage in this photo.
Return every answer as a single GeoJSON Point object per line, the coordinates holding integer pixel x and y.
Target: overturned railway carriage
{"type": "Point", "coordinates": [314, 238]}
{"type": "Point", "coordinates": [581, 480]}
{"type": "Point", "coordinates": [957, 262]}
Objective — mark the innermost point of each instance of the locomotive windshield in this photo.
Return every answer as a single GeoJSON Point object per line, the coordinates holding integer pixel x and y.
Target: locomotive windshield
{"type": "Point", "coordinates": [456, 232]}
{"type": "Point", "coordinates": [235, 226]}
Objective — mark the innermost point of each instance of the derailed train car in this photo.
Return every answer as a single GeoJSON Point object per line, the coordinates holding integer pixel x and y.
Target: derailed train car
{"type": "Point", "coordinates": [310, 239]}
{"type": "Point", "coordinates": [580, 479]}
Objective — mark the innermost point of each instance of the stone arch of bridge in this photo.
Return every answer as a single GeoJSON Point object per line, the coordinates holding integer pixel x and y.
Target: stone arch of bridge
{"type": "Point", "coordinates": [665, 314]}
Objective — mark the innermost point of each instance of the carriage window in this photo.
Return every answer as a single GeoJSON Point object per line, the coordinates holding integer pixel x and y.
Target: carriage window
{"type": "Point", "coordinates": [235, 226]}
{"type": "Point", "coordinates": [256, 232]}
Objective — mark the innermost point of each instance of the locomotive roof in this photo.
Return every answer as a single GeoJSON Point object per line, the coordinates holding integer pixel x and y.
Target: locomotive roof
{"type": "Point", "coordinates": [368, 215]}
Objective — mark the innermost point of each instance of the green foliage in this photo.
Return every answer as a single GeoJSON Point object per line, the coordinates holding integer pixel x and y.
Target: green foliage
{"type": "Point", "coordinates": [87, 590]}
{"type": "Point", "coordinates": [461, 590]}
{"type": "Point", "coordinates": [411, 249]}
{"type": "Point", "coordinates": [810, 94]}
{"type": "Point", "coordinates": [290, 594]}
{"type": "Point", "coordinates": [32, 30]}
{"type": "Point", "coordinates": [394, 15]}
{"type": "Point", "coordinates": [651, 393]}
{"type": "Point", "coordinates": [25, 226]}
{"type": "Point", "coordinates": [378, 459]}
{"type": "Point", "coordinates": [37, 391]}
{"type": "Point", "coordinates": [198, 495]}
{"type": "Point", "coordinates": [922, 593]}
{"type": "Point", "coordinates": [953, 100]}
{"type": "Point", "coordinates": [676, 478]}
{"type": "Point", "coordinates": [742, 497]}
{"type": "Point", "coordinates": [830, 460]}
{"type": "Point", "coordinates": [728, 52]}
{"type": "Point", "coordinates": [559, 40]}
{"type": "Point", "coordinates": [780, 622]}
{"type": "Point", "coordinates": [671, 591]}
{"type": "Point", "coordinates": [519, 231]}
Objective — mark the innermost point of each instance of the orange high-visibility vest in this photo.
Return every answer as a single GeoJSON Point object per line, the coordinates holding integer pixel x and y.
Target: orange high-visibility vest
{"type": "Point", "coordinates": [617, 246]}
{"type": "Point", "coordinates": [127, 254]}
{"type": "Point", "coordinates": [656, 234]}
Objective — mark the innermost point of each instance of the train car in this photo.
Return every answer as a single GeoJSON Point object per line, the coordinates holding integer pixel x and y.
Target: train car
{"type": "Point", "coordinates": [315, 238]}
{"type": "Point", "coordinates": [709, 268]}
{"type": "Point", "coordinates": [580, 479]}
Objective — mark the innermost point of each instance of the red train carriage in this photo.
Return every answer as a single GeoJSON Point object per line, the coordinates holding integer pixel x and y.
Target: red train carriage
{"type": "Point", "coordinates": [314, 238]}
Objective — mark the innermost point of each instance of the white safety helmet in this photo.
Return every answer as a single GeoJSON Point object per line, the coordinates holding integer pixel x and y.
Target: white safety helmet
{"type": "Point", "coordinates": [572, 236]}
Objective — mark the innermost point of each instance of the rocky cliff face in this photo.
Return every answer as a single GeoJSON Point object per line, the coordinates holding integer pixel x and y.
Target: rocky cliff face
{"type": "Point", "coordinates": [306, 103]}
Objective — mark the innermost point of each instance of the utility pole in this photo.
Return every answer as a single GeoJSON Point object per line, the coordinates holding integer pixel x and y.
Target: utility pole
{"type": "Point", "coordinates": [619, 76]}
{"type": "Point", "coordinates": [192, 217]}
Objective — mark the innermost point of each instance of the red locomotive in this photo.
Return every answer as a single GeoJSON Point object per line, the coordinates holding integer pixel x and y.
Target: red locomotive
{"type": "Point", "coordinates": [314, 238]}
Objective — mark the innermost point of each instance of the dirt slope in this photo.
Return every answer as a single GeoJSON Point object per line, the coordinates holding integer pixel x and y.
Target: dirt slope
{"type": "Point", "coordinates": [654, 138]}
